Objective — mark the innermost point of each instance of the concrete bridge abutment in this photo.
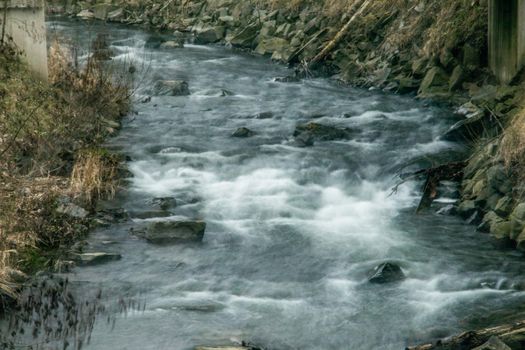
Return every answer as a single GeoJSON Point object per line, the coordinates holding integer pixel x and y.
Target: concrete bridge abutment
{"type": "Point", "coordinates": [506, 38]}
{"type": "Point", "coordinates": [25, 24]}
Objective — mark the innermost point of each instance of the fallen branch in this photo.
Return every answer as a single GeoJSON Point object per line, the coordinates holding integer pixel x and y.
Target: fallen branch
{"type": "Point", "coordinates": [433, 176]}
{"type": "Point", "coordinates": [342, 32]}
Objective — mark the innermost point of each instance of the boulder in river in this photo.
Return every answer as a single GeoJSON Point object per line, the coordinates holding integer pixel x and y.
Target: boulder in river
{"type": "Point", "coordinates": [386, 273]}
{"type": "Point", "coordinates": [243, 133]}
{"type": "Point", "coordinates": [172, 88]}
{"type": "Point", "coordinates": [167, 232]}
{"type": "Point", "coordinates": [89, 259]}
{"type": "Point", "coordinates": [321, 132]}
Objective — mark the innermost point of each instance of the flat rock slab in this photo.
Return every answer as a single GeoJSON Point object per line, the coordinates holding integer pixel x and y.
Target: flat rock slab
{"type": "Point", "coordinates": [90, 259]}
{"type": "Point", "coordinates": [168, 232]}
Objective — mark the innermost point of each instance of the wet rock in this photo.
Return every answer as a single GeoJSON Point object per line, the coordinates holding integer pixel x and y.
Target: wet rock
{"type": "Point", "coordinates": [154, 41]}
{"type": "Point", "coordinates": [86, 14]}
{"type": "Point", "coordinates": [150, 214]}
{"type": "Point", "coordinates": [504, 206]}
{"type": "Point", "coordinates": [321, 132]}
{"type": "Point", "coordinates": [115, 15]}
{"type": "Point", "coordinates": [386, 273]}
{"type": "Point", "coordinates": [489, 220]}
{"type": "Point", "coordinates": [172, 88]}
{"type": "Point", "coordinates": [501, 230]}
{"type": "Point", "coordinates": [245, 37]}
{"type": "Point", "coordinates": [225, 93]}
{"type": "Point", "coordinates": [90, 259]}
{"type": "Point", "coordinates": [243, 132]}
{"type": "Point", "coordinates": [494, 343]}
{"type": "Point", "coordinates": [165, 203]}
{"type": "Point", "coordinates": [207, 34]}
{"type": "Point", "coordinates": [288, 79]}
{"type": "Point", "coordinates": [264, 115]}
{"type": "Point", "coordinates": [517, 221]}
{"type": "Point", "coordinates": [304, 139]}
{"type": "Point", "coordinates": [448, 210]}
{"type": "Point", "coordinates": [167, 232]}
{"type": "Point", "coordinates": [173, 44]}
{"type": "Point", "coordinates": [271, 45]}
{"type": "Point", "coordinates": [457, 78]}
{"type": "Point", "coordinates": [435, 80]}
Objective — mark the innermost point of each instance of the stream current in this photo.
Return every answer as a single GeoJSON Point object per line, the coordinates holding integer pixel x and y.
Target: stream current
{"type": "Point", "coordinates": [292, 232]}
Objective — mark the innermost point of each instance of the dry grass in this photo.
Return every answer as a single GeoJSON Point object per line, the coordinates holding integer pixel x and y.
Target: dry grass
{"type": "Point", "coordinates": [95, 175]}
{"type": "Point", "coordinates": [512, 148]}
{"type": "Point", "coordinates": [45, 130]}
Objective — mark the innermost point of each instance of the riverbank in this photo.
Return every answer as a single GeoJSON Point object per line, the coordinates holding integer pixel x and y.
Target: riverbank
{"type": "Point", "coordinates": [434, 50]}
{"type": "Point", "coordinates": [53, 166]}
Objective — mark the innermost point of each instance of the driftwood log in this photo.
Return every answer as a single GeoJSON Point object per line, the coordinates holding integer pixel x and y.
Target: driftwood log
{"type": "Point", "coordinates": [512, 335]}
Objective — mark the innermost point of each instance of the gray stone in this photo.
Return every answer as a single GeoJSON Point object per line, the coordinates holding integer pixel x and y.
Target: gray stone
{"type": "Point", "coordinates": [167, 232]}
{"type": "Point", "coordinates": [457, 78]}
{"type": "Point", "coordinates": [243, 133]}
{"type": "Point", "coordinates": [490, 219]}
{"type": "Point", "coordinates": [70, 209]}
{"type": "Point", "coordinates": [172, 88]}
{"type": "Point", "coordinates": [504, 206]}
{"type": "Point", "coordinates": [270, 45]}
{"type": "Point", "coordinates": [115, 15]}
{"type": "Point", "coordinates": [173, 44]}
{"type": "Point", "coordinates": [501, 230]}
{"type": "Point", "coordinates": [86, 14]}
{"type": "Point", "coordinates": [165, 203]}
{"type": "Point", "coordinates": [208, 34]}
{"type": "Point", "coordinates": [245, 37]}
{"type": "Point", "coordinates": [89, 259]}
{"type": "Point", "coordinates": [435, 79]}
{"type": "Point", "coordinates": [386, 273]}
{"type": "Point", "coordinates": [322, 132]}
{"type": "Point", "coordinates": [467, 208]}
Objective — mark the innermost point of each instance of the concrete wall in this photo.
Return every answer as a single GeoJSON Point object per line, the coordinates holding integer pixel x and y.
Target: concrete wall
{"type": "Point", "coordinates": [25, 23]}
{"type": "Point", "coordinates": [506, 38]}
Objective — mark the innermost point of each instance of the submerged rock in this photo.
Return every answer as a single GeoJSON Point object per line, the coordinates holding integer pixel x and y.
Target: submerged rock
{"type": "Point", "coordinates": [243, 133]}
{"type": "Point", "coordinates": [320, 132]}
{"type": "Point", "coordinates": [89, 259]}
{"type": "Point", "coordinates": [172, 88]}
{"type": "Point", "coordinates": [386, 273]}
{"type": "Point", "coordinates": [167, 232]}
{"type": "Point", "coordinates": [165, 203]}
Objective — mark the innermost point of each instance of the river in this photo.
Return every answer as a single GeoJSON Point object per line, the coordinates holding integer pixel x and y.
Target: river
{"type": "Point", "coordinates": [293, 232]}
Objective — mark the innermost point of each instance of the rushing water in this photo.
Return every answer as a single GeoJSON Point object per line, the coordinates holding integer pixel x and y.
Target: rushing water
{"type": "Point", "coordinates": [292, 232]}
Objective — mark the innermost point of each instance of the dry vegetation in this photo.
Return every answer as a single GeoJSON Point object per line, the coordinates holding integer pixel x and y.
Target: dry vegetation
{"type": "Point", "coordinates": [50, 137]}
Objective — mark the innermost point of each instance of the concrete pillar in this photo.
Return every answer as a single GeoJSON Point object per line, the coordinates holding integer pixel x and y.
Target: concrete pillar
{"type": "Point", "coordinates": [506, 38]}
{"type": "Point", "coordinates": [25, 24]}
